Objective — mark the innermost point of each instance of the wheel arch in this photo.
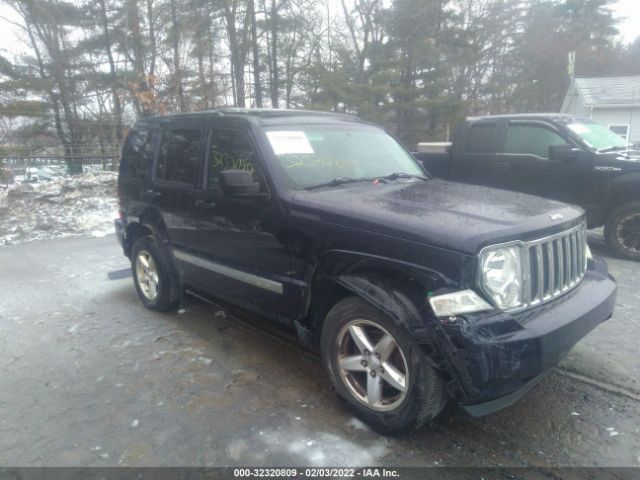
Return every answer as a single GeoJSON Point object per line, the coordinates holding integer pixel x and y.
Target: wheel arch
{"type": "Point", "coordinates": [149, 222]}
{"type": "Point", "coordinates": [396, 288]}
{"type": "Point", "coordinates": [623, 189]}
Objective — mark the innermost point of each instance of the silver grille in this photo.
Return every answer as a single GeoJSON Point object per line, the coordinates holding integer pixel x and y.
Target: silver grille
{"type": "Point", "coordinates": [555, 265]}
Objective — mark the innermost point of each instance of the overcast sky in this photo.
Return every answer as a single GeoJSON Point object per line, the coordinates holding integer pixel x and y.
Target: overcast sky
{"type": "Point", "coordinates": [627, 10]}
{"type": "Point", "coordinates": [630, 27]}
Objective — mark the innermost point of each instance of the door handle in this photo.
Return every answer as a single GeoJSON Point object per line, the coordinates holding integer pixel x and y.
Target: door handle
{"type": "Point", "coordinates": [205, 204]}
{"type": "Point", "coordinates": [502, 165]}
{"type": "Point", "coordinates": [153, 193]}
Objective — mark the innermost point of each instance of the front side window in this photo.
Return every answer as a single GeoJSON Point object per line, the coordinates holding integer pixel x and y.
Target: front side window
{"type": "Point", "coordinates": [179, 155]}
{"type": "Point", "coordinates": [230, 150]}
{"type": "Point", "coordinates": [531, 140]}
{"type": "Point", "coordinates": [316, 154]}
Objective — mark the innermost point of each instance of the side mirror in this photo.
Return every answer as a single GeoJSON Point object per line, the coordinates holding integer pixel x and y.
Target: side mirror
{"type": "Point", "coordinates": [564, 153]}
{"type": "Point", "coordinates": [239, 183]}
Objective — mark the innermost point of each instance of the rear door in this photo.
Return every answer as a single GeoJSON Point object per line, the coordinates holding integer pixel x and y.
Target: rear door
{"type": "Point", "coordinates": [173, 184]}
{"type": "Point", "coordinates": [473, 158]}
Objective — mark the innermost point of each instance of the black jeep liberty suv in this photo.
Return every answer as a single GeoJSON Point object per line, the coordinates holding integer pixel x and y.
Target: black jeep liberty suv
{"type": "Point", "coordinates": [415, 290]}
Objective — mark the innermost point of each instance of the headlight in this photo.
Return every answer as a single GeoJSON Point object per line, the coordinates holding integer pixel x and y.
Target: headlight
{"type": "Point", "coordinates": [501, 275]}
{"type": "Point", "coordinates": [589, 255]}
{"type": "Point", "coordinates": [456, 303]}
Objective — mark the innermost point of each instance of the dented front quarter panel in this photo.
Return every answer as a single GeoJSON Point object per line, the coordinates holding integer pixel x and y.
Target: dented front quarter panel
{"type": "Point", "coordinates": [485, 356]}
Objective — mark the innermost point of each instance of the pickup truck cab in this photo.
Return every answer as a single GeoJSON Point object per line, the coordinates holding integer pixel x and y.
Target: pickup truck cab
{"type": "Point", "coordinates": [414, 289]}
{"type": "Point", "coordinates": [557, 156]}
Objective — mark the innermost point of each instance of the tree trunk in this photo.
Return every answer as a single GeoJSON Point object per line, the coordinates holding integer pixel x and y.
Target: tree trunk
{"type": "Point", "coordinates": [257, 84]}
{"type": "Point", "coordinates": [117, 108]}
{"type": "Point", "coordinates": [177, 72]}
{"type": "Point", "coordinates": [274, 54]}
{"type": "Point", "coordinates": [141, 92]}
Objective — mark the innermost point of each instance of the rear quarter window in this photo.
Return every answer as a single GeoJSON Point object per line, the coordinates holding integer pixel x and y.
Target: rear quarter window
{"type": "Point", "coordinates": [137, 156]}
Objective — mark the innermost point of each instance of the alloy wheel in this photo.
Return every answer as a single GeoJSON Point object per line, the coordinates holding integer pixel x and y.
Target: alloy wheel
{"type": "Point", "coordinates": [628, 232]}
{"type": "Point", "coordinates": [372, 365]}
{"type": "Point", "coordinates": [147, 275]}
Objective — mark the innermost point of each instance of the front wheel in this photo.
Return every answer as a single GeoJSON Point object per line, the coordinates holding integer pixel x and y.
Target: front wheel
{"type": "Point", "coordinates": [378, 368]}
{"type": "Point", "coordinates": [622, 230]}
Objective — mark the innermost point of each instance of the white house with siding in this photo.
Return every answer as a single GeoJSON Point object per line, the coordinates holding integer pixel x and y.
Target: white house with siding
{"type": "Point", "coordinates": [612, 101]}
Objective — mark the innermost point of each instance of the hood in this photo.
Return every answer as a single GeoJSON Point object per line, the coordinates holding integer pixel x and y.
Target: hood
{"type": "Point", "coordinates": [450, 215]}
{"type": "Point", "coordinates": [623, 160]}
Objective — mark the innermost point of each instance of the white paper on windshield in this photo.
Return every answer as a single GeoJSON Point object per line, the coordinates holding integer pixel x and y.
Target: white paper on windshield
{"type": "Point", "coordinates": [284, 143]}
{"type": "Point", "coordinates": [578, 128]}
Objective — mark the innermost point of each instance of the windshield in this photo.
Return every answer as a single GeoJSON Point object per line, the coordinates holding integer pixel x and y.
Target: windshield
{"type": "Point", "coordinates": [597, 136]}
{"type": "Point", "coordinates": [316, 154]}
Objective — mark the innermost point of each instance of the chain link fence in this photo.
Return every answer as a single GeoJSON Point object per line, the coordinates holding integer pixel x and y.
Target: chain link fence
{"type": "Point", "coordinates": [41, 164]}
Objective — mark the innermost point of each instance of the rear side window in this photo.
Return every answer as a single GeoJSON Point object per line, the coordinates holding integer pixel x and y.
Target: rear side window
{"type": "Point", "coordinates": [179, 155]}
{"type": "Point", "coordinates": [531, 140]}
{"type": "Point", "coordinates": [137, 156]}
{"type": "Point", "coordinates": [480, 139]}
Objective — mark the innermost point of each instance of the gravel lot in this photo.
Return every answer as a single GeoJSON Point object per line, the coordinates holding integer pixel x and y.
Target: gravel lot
{"type": "Point", "coordinates": [91, 378]}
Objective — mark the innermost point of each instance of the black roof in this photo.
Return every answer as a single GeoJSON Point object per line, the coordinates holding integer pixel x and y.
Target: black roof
{"type": "Point", "coordinates": [261, 116]}
{"type": "Point", "coordinates": [556, 117]}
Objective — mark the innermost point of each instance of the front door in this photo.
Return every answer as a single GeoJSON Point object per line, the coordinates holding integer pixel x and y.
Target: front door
{"type": "Point", "coordinates": [242, 241]}
{"type": "Point", "coordinates": [528, 168]}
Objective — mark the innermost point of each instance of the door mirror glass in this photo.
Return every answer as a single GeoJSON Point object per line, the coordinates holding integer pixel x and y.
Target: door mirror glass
{"type": "Point", "coordinates": [239, 183]}
{"type": "Point", "coordinates": [564, 153]}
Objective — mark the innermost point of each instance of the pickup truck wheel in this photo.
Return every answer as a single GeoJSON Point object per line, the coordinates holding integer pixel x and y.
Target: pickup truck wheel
{"type": "Point", "coordinates": [622, 230]}
{"type": "Point", "coordinates": [378, 368]}
{"type": "Point", "coordinates": [156, 286]}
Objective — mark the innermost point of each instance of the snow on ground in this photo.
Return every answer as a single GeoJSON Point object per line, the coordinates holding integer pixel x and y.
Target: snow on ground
{"type": "Point", "coordinates": [59, 206]}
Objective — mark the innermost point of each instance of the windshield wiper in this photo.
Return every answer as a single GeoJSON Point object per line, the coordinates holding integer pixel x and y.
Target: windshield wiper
{"type": "Point", "coordinates": [396, 175]}
{"type": "Point", "coordinates": [336, 182]}
{"type": "Point", "coordinates": [612, 148]}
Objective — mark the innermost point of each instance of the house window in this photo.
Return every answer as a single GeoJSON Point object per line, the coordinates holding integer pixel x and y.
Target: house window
{"type": "Point", "coordinates": [622, 130]}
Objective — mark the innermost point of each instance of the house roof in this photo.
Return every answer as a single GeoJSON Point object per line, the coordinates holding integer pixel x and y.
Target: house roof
{"type": "Point", "coordinates": [623, 90]}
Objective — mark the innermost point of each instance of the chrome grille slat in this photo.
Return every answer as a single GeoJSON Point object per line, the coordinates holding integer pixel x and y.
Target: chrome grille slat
{"type": "Point", "coordinates": [567, 261]}
{"type": "Point", "coordinates": [560, 250]}
{"type": "Point", "coordinates": [574, 257]}
{"type": "Point", "coordinates": [555, 265]}
{"type": "Point", "coordinates": [539, 268]}
{"type": "Point", "coordinates": [551, 268]}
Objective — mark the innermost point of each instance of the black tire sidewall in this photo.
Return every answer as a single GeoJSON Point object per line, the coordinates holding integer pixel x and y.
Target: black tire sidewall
{"type": "Point", "coordinates": [611, 227]}
{"type": "Point", "coordinates": [408, 412]}
{"type": "Point", "coordinates": [165, 298]}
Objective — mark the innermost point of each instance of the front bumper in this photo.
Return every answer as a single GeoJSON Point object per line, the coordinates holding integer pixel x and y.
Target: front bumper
{"type": "Point", "coordinates": [495, 359]}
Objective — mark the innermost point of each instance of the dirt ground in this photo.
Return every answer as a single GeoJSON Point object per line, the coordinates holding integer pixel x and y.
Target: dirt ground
{"type": "Point", "coordinates": [89, 377]}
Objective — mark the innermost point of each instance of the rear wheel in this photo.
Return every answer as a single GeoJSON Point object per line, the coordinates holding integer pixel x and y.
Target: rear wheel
{"type": "Point", "coordinates": [378, 368]}
{"type": "Point", "coordinates": [153, 275]}
{"type": "Point", "coordinates": [622, 230]}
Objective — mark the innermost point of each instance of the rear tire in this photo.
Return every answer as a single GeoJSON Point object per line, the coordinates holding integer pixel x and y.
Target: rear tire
{"type": "Point", "coordinates": [390, 384]}
{"type": "Point", "coordinates": [622, 231]}
{"type": "Point", "coordinates": [154, 276]}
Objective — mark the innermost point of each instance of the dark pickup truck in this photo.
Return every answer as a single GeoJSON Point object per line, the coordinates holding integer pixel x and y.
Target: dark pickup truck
{"type": "Point", "coordinates": [415, 290]}
{"type": "Point", "coordinates": [562, 157]}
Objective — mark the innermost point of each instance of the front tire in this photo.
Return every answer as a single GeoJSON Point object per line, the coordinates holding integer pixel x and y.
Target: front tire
{"type": "Point", "coordinates": [378, 369]}
{"type": "Point", "coordinates": [622, 231]}
{"type": "Point", "coordinates": [154, 276]}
